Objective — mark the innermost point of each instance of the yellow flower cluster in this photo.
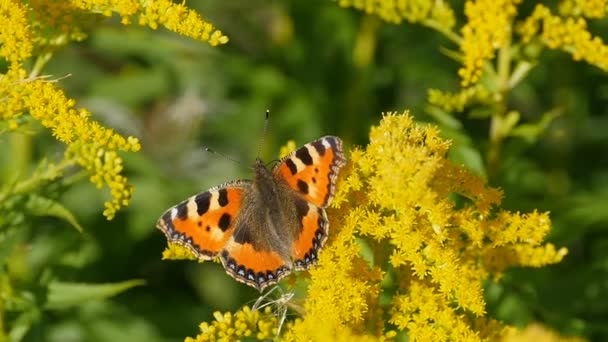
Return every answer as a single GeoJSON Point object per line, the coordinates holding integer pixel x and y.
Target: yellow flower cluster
{"type": "Point", "coordinates": [569, 34]}
{"type": "Point", "coordinates": [91, 145]}
{"type": "Point", "coordinates": [245, 323]}
{"type": "Point", "coordinates": [33, 30]}
{"type": "Point", "coordinates": [176, 251]}
{"type": "Point", "coordinates": [395, 11]}
{"type": "Point", "coordinates": [395, 200]}
{"type": "Point", "coordinates": [488, 28]}
{"type": "Point", "coordinates": [457, 102]}
{"type": "Point", "coordinates": [537, 333]}
{"type": "Point", "coordinates": [176, 17]}
{"type": "Point", "coordinates": [15, 35]}
{"type": "Point", "coordinates": [586, 8]}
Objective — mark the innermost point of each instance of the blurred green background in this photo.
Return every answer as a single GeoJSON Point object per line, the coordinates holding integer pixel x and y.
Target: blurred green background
{"type": "Point", "coordinates": [320, 69]}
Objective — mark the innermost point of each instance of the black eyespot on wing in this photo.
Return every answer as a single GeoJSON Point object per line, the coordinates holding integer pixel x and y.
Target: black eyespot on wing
{"type": "Point", "coordinates": [223, 197]}
{"type": "Point", "coordinates": [302, 186]}
{"type": "Point", "coordinates": [318, 145]}
{"type": "Point", "coordinates": [304, 156]}
{"type": "Point", "coordinates": [292, 166]}
{"type": "Point", "coordinates": [182, 211]}
{"type": "Point", "coordinates": [202, 202]}
{"type": "Point", "coordinates": [224, 222]}
{"type": "Point", "coordinates": [302, 210]}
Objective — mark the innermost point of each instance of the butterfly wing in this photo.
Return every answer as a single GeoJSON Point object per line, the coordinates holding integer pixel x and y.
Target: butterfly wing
{"type": "Point", "coordinates": [205, 222]}
{"type": "Point", "coordinates": [257, 268]}
{"type": "Point", "coordinates": [311, 171]}
{"type": "Point", "coordinates": [311, 236]}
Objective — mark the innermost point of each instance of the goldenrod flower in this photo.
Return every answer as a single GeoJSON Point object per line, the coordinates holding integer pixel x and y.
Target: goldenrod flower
{"type": "Point", "coordinates": [537, 333]}
{"type": "Point", "coordinates": [91, 145]}
{"type": "Point", "coordinates": [568, 34]}
{"type": "Point", "coordinates": [488, 28]}
{"type": "Point", "coordinates": [457, 102]}
{"type": "Point", "coordinates": [42, 26]}
{"type": "Point", "coordinates": [15, 35]}
{"type": "Point", "coordinates": [175, 17]}
{"type": "Point", "coordinates": [395, 196]}
{"type": "Point", "coordinates": [586, 8]}
{"type": "Point", "coordinates": [394, 200]}
{"type": "Point", "coordinates": [175, 251]}
{"type": "Point", "coordinates": [395, 11]}
{"type": "Point", "coordinates": [261, 325]}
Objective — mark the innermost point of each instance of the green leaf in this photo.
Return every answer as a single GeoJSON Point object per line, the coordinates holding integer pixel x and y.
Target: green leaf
{"type": "Point", "coordinates": [62, 295]}
{"type": "Point", "coordinates": [8, 240]}
{"type": "Point", "coordinates": [23, 324]}
{"type": "Point", "coordinates": [42, 206]}
{"type": "Point", "coordinates": [531, 132]}
{"type": "Point", "coordinates": [443, 117]}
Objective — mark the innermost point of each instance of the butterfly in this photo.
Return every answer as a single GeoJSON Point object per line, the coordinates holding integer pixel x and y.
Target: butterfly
{"type": "Point", "coordinates": [263, 229]}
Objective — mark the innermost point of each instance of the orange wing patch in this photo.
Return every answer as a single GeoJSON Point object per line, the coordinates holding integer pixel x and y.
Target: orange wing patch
{"type": "Point", "coordinates": [312, 170]}
{"type": "Point", "coordinates": [204, 222]}
{"type": "Point", "coordinates": [253, 267]}
{"type": "Point", "coordinates": [312, 237]}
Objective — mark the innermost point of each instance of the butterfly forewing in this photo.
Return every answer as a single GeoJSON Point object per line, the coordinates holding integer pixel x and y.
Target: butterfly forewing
{"type": "Point", "coordinates": [312, 170]}
{"type": "Point", "coordinates": [205, 222]}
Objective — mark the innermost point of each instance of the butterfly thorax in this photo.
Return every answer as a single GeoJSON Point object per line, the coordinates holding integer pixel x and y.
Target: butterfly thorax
{"type": "Point", "coordinates": [270, 213]}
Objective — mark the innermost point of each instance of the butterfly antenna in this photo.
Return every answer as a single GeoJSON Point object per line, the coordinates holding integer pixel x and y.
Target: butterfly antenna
{"type": "Point", "coordinates": [263, 133]}
{"type": "Point", "coordinates": [207, 149]}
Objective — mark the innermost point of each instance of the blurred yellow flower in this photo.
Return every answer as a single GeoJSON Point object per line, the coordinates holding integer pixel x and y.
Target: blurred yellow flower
{"type": "Point", "coordinates": [457, 102]}
{"type": "Point", "coordinates": [568, 34]}
{"type": "Point", "coordinates": [488, 28]}
{"type": "Point", "coordinates": [15, 34]}
{"type": "Point", "coordinates": [537, 333]}
{"type": "Point", "coordinates": [586, 8]}
{"type": "Point", "coordinates": [41, 26]}
{"type": "Point", "coordinates": [175, 17]}
{"type": "Point", "coordinates": [429, 12]}
{"type": "Point", "coordinates": [245, 323]}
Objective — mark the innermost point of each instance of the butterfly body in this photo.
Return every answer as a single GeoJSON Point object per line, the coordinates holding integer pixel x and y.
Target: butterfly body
{"type": "Point", "coordinates": [265, 228]}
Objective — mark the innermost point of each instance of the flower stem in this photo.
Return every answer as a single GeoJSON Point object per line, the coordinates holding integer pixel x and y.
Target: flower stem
{"type": "Point", "coordinates": [40, 63]}
{"type": "Point", "coordinates": [497, 133]}
{"type": "Point", "coordinates": [451, 35]}
{"type": "Point", "coordinates": [29, 185]}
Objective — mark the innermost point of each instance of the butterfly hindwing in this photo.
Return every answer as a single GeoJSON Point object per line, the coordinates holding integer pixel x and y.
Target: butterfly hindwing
{"type": "Point", "coordinates": [257, 268]}
{"type": "Point", "coordinates": [312, 235]}
{"type": "Point", "coordinates": [204, 223]}
{"type": "Point", "coordinates": [312, 170]}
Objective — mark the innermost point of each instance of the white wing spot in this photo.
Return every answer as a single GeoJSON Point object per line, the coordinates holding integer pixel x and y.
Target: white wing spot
{"type": "Point", "coordinates": [213, 201]}
{"type": "Point", "coordinates": [192, 209]}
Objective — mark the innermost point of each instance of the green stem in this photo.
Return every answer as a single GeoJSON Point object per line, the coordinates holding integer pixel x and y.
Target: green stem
{"type": "Point", "coordinates": [521, 70]}
{"type": "Point", "coordinates": [497, 133]}
{"type": "Point", "coordinates": [29, 185]}
{"type": "Point", "coordinates": [21, 155]}
{"type": "Point", "coordinates": [39, 64]}
{"type": "Point", "coordinates": [435, 25]}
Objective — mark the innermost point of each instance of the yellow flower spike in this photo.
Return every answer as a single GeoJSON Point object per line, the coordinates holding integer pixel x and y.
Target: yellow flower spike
{"type": "Point", "coordinates": [287, 148]}
{"type": "Point", "coordinates": [15, 34]}
{"type": "Point", "coordinates": [457, 102]}
{"type": "Point", "coordinates": [568, 34]}
{"type": "Point", "coordinates": [437, 11]}
{"type": "Point", "coordinates": [487, 29]}
{"type": "Point", "coordinates": [587, 8]}
{"type": "Point", "coordinates": [244, 322]}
